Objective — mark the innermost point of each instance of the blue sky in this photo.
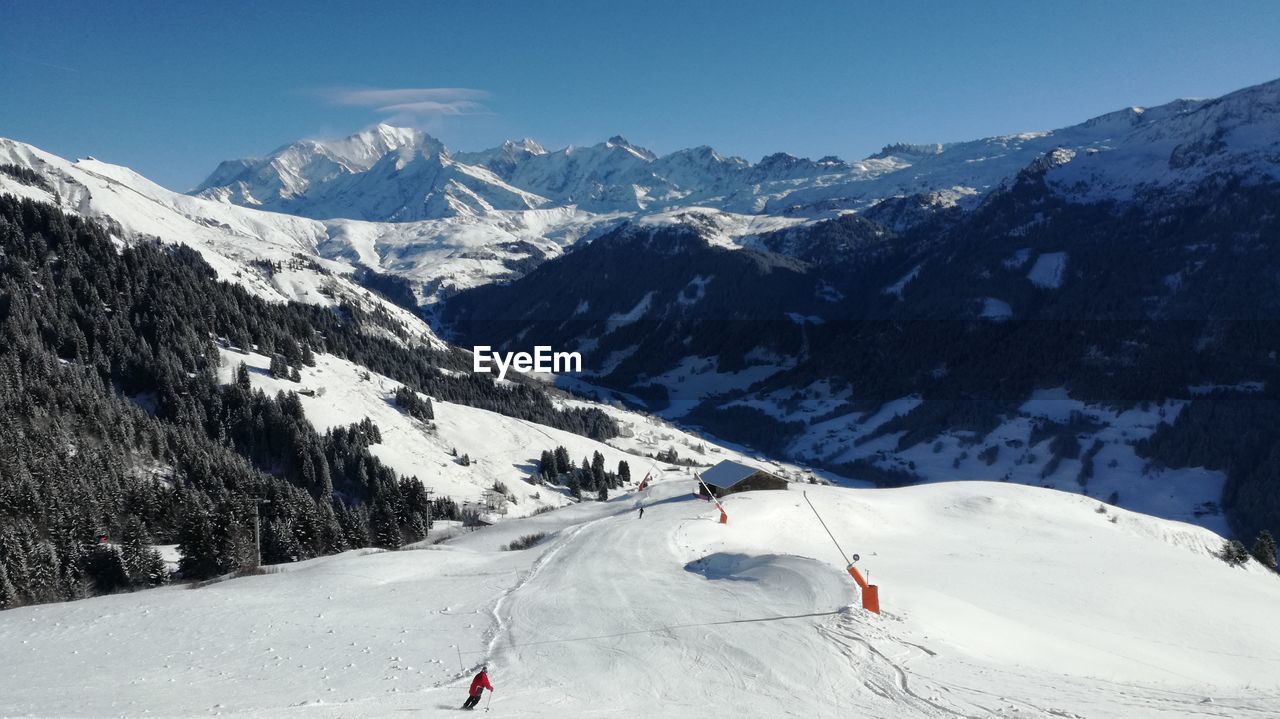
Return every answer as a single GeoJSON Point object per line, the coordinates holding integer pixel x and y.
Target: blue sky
{"type": "Point", "coordinates": [171, 88]}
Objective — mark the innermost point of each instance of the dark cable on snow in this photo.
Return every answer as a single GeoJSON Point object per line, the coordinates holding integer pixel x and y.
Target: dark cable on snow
{"type": "Point", "coordinates": [843, 556]}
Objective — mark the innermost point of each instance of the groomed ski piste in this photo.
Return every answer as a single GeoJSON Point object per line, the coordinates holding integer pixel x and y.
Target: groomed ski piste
{"type": "Point", "coordinates": [997, 600]}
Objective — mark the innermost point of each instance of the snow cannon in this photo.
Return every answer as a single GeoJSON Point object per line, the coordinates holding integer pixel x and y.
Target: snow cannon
{"type": "Point", "coordinates": [870, 592]}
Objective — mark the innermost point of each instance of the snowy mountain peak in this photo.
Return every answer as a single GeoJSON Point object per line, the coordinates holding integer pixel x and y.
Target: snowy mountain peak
{"type": "Point", "coordinates": [365, 148]}
{"type": "Point", "coordinates": [528, 145]}
{"type": "Point", "coordinates": [905, 149]}
{"type": "Point", "coordinates": [622, 142]}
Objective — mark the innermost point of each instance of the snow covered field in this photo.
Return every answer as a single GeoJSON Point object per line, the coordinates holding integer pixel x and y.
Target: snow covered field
{"type": "Point", "coordinates": [999, 600]}
{"type": "Point", "coordinates": [337, 393]}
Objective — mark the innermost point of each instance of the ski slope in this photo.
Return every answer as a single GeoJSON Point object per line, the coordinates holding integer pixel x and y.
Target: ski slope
{"type": "Point", "coordinates": [999, 601]}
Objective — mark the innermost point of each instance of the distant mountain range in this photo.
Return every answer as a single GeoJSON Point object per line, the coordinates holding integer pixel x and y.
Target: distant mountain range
{"type": "Point", "coordinates": [389, 174]}
{"type": "Point", "coordinates": [398, 201]}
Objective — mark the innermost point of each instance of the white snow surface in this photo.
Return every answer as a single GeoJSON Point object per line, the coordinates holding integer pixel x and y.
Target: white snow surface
{"type": "Point", "coordinates": [998, 600]}
{"type": "Point", "coordinates": [337, 393]}
{"type": "Point", "coordinates": [1048, 270]}
{"type": "Point", "coordinates": [994, 308]}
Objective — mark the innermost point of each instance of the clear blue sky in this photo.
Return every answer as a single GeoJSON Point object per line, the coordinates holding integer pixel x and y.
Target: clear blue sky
{"type": "Point", "coordinates": [171, 88]}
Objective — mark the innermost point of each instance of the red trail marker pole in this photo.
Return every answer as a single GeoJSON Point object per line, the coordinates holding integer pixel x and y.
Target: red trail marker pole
{"type": "Point", "coordinates": [724, 516]}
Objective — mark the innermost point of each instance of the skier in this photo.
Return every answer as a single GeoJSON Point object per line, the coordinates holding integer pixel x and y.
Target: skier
{"type": "Point", "coordinates": [478, 685]}
{"type": "Point", "coordinates": [641, 513]}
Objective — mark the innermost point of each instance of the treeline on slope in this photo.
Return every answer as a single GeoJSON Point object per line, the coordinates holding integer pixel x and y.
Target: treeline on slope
{"type": "Point", "coordinates": [393, 287]}
{"type": "Point", "coordinates": [444, 374]}
{"type": "Point", "coordinates": [89, 480]}
{"type": "Point", "coordinates": [27, 176]}
{"type": "Point", "coordinates": [556, 467]}
{"type": "Point", "coordinates": [1236, 435]}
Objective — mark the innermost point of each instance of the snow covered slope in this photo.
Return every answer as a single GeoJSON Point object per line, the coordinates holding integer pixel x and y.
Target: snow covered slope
{"type": "Point", "coordinates": [999, 600]}
{"type": "Point", "coordinates": [239, 243]}
{"type": "Point", "coordinates": [455, 253]}
{"type": "Point", "coordinates": [1020, 449]}
{"type": "Point", "coordinates": [337, 393]}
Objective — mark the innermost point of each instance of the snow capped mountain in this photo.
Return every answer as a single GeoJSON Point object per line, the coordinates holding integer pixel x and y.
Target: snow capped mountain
{"type": "Point", "coordinates": [416, 178]}
{"type": "Point", "coordinates": [293, 169]}
{"type": "Point", "coordinates": [385, 173]}
{"type": "Point", "coordinates": [504, 159]}
{"type": "Point", "coordinates": [1113, 156]}
{"type": "Point", "coordinates": [398, 201]}
{"type": "Point", "coordinates": [475, 245]}
{"type": "Point", "coordinates": [1175, 146]}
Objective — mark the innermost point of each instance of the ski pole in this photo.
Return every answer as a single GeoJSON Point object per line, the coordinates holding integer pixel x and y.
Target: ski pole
{"type": "Point", "coordinates": [487, 701]}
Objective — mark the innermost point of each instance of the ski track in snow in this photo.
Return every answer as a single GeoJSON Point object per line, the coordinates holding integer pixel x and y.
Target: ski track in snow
{"type": "Point", "coordinates": [995, 606]}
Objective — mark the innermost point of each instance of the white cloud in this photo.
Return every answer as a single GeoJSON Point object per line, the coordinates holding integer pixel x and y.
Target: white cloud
{"type": "Point", "coordinates": [411, 102]}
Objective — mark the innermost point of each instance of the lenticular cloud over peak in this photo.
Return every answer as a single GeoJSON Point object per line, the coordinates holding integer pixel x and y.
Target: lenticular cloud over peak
{"type": "Point", "coordinates": [412, 100]}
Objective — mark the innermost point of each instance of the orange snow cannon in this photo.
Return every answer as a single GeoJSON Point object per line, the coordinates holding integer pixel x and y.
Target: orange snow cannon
{"type": "Point", "coordinates": [870, 592]}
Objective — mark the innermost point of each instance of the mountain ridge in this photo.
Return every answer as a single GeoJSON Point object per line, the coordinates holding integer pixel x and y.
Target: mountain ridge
{"type": "Point", "coordinates": [618, 176]}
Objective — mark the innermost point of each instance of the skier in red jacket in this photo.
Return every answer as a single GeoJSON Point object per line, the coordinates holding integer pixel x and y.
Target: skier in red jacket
{"type": "Point", "coordinates": [478, 685]}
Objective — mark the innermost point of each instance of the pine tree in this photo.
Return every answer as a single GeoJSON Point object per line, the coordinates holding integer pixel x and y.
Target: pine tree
{"type": "Point", "coordinates": [1264, 549]}
{"type": "Point", "coordinates": [105, 567]}
{"type": "Point", "coordinates": [197, 545]}
{"type": "Point", "coordinates": [383, 526]}
{"type": "Point", "coordinates": [624, 471]}
{"type": "Point", "coordinates": [547, 466]}
{"type": "Point", "coordinates": [134, 544]}
{"type": "Point", "coordinates": [242, 377]}
{"type": "Point", "coordinates": [44, 573]}
{"type": "Point", "coordinates": [8, 593]}
{"type": "Point", "coordinates": [279, 368]}
{"type": "Point", "coordinates": [563, 463]}
{"type": "Point", "coordinates": [279, 542]}
{"type": "Point", "coordinates": [597, 469]}
{"type": "Point", "coordinates": [1234, 553]}
{"type": "Point", "coordinates": [153, 570]}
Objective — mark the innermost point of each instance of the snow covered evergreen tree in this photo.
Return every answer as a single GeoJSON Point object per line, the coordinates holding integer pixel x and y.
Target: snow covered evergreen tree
{"type": "Point", "coordinates": [1264, 549]}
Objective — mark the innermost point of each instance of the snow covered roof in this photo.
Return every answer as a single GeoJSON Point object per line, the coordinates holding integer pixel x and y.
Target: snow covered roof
{"type": "Point", "coordinates": [728, 473]}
